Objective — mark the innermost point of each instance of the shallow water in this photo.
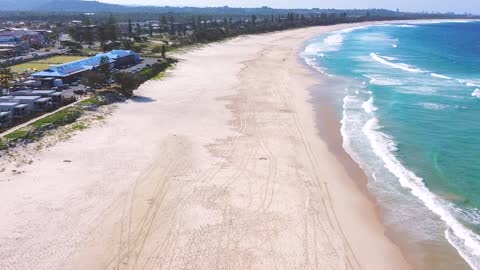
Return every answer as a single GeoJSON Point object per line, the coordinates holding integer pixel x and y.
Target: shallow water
{"type": "Point", "coordinates": [410, 109]}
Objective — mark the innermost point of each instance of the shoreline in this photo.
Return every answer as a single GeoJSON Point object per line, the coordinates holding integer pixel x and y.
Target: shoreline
{"type": "Point", "coordinates": [239, 179]}
{"type": "Point", "coordinates": [421, 254]}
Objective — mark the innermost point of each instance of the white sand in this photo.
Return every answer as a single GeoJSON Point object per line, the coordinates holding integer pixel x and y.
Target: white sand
{"type": "Point", "coordinates": [218, 166]}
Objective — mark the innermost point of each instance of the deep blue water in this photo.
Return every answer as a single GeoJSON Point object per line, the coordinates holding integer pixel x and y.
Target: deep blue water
{"type": "Point", "coordinates": [411, 119]}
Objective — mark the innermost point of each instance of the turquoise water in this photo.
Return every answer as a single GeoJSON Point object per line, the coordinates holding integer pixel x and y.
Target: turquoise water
{"type": "Point", "coordinates": [411, 119]}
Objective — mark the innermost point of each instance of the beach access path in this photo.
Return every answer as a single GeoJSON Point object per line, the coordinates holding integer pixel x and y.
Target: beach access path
{"type": "Point", "coordinates": [217, 166]}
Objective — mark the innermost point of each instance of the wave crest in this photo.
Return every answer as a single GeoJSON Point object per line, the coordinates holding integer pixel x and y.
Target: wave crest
{"type": "Point", "coordinates": [402, 66]}
{"type": "Point", "coordinates": [476, 93]}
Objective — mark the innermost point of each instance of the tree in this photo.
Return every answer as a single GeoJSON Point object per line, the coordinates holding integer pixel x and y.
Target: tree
{"type": "Point", "coordinates": [111, 28]}
{"type": "Point", "coordinates": [102, 35]}
{"type": "Point", "coordinates": [6, 76]}
{"type": "Point", "coordinates": [87, 33]}
{"type": "Point", "coordinates": [172, 25]}
{"type": "Point", "coordinates": [150, 29]}
{"type": "Point", "coordinates": [163, 20]}
{"type": "Point", "coordinates": [72, 31]}
{"type": "Point", "coordinates": [104, 67]}
{"type": "Point", "coordinates": [138, 30]}
{"type": "Point", "coordinates": [127, 82]}
{"type": "Point", "coordinates": [130, 28]}
{"type": "Point", "coordinates": [164, 51]}
{"type": "Point", "coordinates": [91, 78]}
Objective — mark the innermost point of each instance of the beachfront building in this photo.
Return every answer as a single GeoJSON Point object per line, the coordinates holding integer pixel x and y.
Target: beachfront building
{"type": "Point", "coordinates": [33, 103]}
{"type": "Point", "coordinates": [14, 108]}
{"type": "Point", "coordinates": [56, 98]}
{"type": "Point", "coordinates": [73, 71]}
{"type": "Point", "coordinates": [5, 119]}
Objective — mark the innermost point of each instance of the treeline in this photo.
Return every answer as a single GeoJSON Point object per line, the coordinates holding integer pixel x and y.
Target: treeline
{"type": "Point", "coordinates": [187, 29]}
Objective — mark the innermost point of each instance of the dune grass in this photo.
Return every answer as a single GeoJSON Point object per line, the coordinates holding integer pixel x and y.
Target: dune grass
{"type": "Point", "coordinates": [34, 130]}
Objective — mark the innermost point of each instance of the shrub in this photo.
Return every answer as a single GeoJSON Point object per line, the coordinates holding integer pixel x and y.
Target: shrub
{"type": "Point", "coordinates": [127, 82]}
{"type": "Point", "coordinates": [3, 145]}
{"type": "Point", "coordinates": [157, 49]}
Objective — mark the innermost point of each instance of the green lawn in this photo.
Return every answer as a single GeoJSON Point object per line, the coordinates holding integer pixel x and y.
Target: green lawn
{"type": "Point", "coordinates": [42, 64]}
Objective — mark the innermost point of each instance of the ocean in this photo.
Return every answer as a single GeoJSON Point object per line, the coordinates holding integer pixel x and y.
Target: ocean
{"type": "Point", "coordinates": [409, 105]}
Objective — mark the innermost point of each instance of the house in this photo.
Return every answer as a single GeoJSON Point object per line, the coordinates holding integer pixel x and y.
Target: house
{"type": "Point", "coordinates": [33, 103]}
{"type": "Point", "coordinates": [5, 119]}
{"type": "Point", "coordinates": [21, 111]}
{"type": "Point", "coordinates": [56, 98]}
{"type": "Point", "coordinates": [14, 108]}
{"type": "Point", "coordinates": [7, 52]}
{"type": "Point", "coordinates": [8, 106]}
{"type": "Point", "coordinates": [42, 104]}
{"type": "Point", "coordinates": [12, 44]}
{"type": "Point", "coordinates": [24, 38]}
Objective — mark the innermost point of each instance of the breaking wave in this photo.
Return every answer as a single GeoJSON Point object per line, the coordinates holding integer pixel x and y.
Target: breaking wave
{"type": "Point", "coordinates": [401, 66]}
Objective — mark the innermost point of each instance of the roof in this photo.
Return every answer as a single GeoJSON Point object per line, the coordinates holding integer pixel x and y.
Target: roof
{"type": "Point", "coordinates": [25, 97]}
{"type": "Point", "coordinates": [4, 114]}
{"type": "Point", "coordinates": [21, 106]}
{"type": "Point", "coordinates": [82, 65]}
{"type": "Point", "coordinates": [8, 104]}
{"type": "Point", "coordinates": [44, 99]}
{"type": "Point", "coordinates": [32, 92]}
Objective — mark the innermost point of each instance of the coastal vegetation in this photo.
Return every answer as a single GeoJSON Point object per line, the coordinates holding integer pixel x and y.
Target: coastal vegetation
{"type": "Point", "coordinates": [36, 129]}
{"type": "Point", "coordinates": [127, 82]}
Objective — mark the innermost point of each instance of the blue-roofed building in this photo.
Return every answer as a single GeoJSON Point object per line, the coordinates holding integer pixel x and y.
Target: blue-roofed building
{"type": "Point", "coordinates": [72, 71]}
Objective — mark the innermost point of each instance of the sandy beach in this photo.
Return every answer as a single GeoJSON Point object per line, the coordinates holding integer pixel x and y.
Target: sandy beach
{"type": "Point", "coordinates": [220, 165]}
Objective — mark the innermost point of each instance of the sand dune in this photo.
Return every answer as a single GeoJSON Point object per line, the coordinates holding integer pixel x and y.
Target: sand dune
{"type": "Point", "coordinates": [218, 166]}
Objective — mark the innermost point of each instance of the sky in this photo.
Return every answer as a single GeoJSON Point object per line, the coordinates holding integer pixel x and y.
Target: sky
{"type": "Point", "coordinates": [459, 6]}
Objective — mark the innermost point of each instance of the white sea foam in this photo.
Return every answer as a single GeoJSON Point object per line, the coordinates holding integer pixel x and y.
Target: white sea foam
{"type": "Point", "coordinates": [433, 106]}
{"type": "Point", "coordinates": [382, 80]}
{"type": "Point", "coordinates": [398, 25]}
{"type": "Point", "coordinates": [476, 93]}
{"type": "Point", "coordinates": [405, 25]}
{"type": "Point", "coordinates": [469, 84]}
{"type": "Point", "coordinates": [468, 243]}
{"type": "Point", "coordinates": [394, 45]}
{"type": "Point", "coordinates": [402, 66]}
{"type": "Point", "coordinates": [368, 106]}
{"type": "Point", "coordinates": [443, 21]}
{"type": "Point", "coordinates": [329, 44]}
{"type": "Point", "coordinates": [440, 76]}
{"type": "Point", "coordinates": [351, 29]}
{"type": "Point", "coordinates": [311, 62]}
{"type": "Point", "coordinates": [390, 58]}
